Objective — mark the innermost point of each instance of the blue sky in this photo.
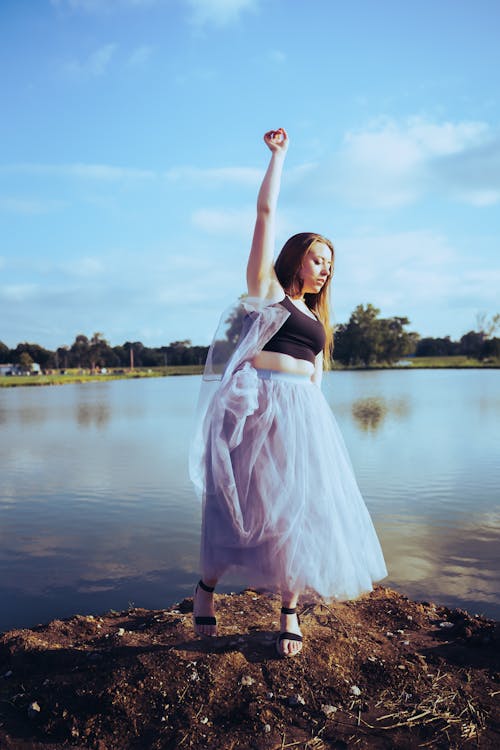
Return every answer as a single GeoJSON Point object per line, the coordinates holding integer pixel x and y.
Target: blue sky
{"type": "Point", "coordinates": [131, 153]}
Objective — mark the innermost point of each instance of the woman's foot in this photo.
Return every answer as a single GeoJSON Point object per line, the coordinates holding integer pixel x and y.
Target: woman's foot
{"type": "Point", "coordinates": [204, 621]}
{"type": "Point", "coordinates": [289, 641]}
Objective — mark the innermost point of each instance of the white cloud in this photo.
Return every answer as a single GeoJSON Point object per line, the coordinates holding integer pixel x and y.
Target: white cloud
{"type": "Point", "coordinates": [390, 163]}
{"type": "Point", "coordinates": [218, 12]}
{"type": "Point", "coordinates": [95, 64]}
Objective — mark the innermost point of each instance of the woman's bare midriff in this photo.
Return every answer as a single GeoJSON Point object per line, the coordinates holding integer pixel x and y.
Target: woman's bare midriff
{"type": "Point", "coordinates": [282, 363]}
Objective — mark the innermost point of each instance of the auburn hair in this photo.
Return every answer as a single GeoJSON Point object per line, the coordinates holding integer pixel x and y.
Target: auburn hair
{"type": "Point", "coordinates": [287, 268]}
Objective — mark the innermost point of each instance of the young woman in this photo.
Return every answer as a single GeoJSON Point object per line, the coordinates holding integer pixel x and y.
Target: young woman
{"type": "Point", "coordinates": [280, 500]}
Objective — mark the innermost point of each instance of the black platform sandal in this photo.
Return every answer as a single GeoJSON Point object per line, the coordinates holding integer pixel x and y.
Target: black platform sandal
{"type": "Point", "coordinates": [203, 619]}
{"type": "Point", "coordinates": [286, 635]}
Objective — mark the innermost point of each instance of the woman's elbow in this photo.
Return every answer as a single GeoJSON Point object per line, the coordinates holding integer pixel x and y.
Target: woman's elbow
{"type": "Point", "coordinates": [264, 208]}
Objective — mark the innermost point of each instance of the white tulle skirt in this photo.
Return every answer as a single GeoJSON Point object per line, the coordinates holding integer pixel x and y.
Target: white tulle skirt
{"type": "Point", "coordinates": [280, 499]}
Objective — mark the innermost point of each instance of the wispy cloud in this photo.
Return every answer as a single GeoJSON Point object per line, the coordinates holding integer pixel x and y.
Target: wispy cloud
{"type": "Point", "coordinates": [29, 206]}
{"type": "Point", "coordinates": [140, 56]}
{"type": "Point", "coordinates": [99, 172]}
{"type": "Point", "coordinates": [102, 6]}
{"type": "Point", "coordinates": [18, 292]}
{"type": "Point", "coordinates": [248, 176]}
{"type": "Point", "coordinates": [474, 173]}
{"type": "Point", "coordinates": [215, 221]}
{"type": "Point", "coordinates": [277, 56]}
{"type": "Point", "coordinates": [83, 267]}
{"type": "Point", "coordinates": [409, 273]}
{"type": "Point", "coordinates": [218, 13]}
{"type": "Point", "coordinates": [94, 64]}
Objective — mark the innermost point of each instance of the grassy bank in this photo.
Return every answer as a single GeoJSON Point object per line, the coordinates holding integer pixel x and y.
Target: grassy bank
{"type": "Point", "coordinates": [459, 361]}
{"type": "Point", "coordinates": [77, 376]}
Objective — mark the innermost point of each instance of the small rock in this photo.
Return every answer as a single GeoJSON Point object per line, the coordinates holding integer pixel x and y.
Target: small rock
{"type": "Point", "coordinates": [267, 728]}
{"type": "Point", "coordinates": [355, 690]}
{"type": "Point", "coordinates": [409, 617]}
{"type": "Point", "coordinates": [401, 666]}
{"type": "Point", "coordinates": [401, 632]}
{"type": "Point", "coordinates": [406, 643]}
{"type": "Point", "coordinates": [296, 700]}
{"type": "Point", "coordinates": [389, 633]}
{"type": "Point", "coordinates": [445, 624]}
{"type": "Point", "coordinates": [120, 632]}
{"type": "Point", "coordinates": [33, 710]}
{"type": "Point", "coordinates": [247, 680]}
{"type": "Point", "coordinates": [269, 695]}
{"type": "Point", "coordinates": [327, 709]}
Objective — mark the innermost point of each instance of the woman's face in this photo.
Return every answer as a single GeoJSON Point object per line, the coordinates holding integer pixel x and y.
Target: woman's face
{"type": "Point", "coordinates": [316, 268]}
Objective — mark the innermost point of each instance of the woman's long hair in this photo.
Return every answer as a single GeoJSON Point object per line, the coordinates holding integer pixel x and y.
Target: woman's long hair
{"type": "Point", "coordinates": [287, 268]}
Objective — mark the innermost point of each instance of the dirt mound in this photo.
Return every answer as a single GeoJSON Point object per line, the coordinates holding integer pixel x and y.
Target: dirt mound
{"type": "Point", "coordinates": [380, 672]}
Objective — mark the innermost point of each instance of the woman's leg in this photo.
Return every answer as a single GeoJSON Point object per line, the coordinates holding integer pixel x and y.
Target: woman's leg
{"type": "Point", "coordinates": [203, 606]}
{"type": "Point", "coordinates": [289, 623]}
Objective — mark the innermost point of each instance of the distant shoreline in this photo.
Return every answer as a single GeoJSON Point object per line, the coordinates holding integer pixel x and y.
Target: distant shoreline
{"type": "Point", "coordinates": [79, 376]}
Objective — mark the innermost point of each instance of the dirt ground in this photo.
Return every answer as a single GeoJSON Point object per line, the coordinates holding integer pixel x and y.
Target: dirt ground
{"type": "Point", "coordinates": [380, 672]}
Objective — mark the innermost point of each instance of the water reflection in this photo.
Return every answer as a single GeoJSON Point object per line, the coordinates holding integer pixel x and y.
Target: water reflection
{"type": "Point", "coordinates": [96, 509]}
{"type": "Point", "coordinates": [369, 413]}
{"type": "Point", "coordinates": [89, 414]}
{"type": "Point", "coordinates": [449, 565]}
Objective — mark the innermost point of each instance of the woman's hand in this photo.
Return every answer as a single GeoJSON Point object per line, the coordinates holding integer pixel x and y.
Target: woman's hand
{"type": "Point", "coordinates": [277, 140]}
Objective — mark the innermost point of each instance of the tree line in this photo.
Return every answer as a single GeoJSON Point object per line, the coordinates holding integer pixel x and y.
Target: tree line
{"type": "Point", "coordinates": [366, 339]}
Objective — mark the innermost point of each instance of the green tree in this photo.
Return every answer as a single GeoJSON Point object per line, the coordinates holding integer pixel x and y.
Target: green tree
{"type": "Point", "coordinates": [5, 354]}
{"type": "Point", "coordinates": [366, 339]}
{"type": "Point", "coordinates": [25, 362]}
{"type": "Point", "coordinates": [80, 352]}
{"type": "Point", "coordinates": [98, 351]}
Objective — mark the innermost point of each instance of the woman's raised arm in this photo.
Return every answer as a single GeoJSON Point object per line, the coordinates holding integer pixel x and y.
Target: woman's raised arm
{"type": "Point", "coordinates": [261, 278]}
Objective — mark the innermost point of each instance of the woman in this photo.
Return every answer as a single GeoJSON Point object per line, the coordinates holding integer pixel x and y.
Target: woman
{"type": "Point", "coordinates": [280, 500]}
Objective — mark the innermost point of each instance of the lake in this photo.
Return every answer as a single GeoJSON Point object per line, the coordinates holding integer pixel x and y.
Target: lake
{"type": "Point", "coordinates": [97, 511]}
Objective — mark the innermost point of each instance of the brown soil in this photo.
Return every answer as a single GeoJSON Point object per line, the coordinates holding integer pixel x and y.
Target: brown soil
{"type": "Point", "coordinates": [379, 672]}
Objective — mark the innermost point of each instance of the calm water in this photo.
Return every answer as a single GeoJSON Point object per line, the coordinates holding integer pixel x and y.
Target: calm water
{"type": "Point", "coordinates": [97, 512]}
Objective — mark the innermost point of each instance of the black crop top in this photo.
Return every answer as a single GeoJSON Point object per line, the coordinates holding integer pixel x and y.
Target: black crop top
{"type": "Point", "coordinates": [300, 336]}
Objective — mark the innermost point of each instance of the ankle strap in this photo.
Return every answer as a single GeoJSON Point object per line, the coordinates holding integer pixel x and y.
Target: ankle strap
{"type": "Point", "coordinates": [288, 610]}
{"type": "Point", "coordinates": [205, 587]}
